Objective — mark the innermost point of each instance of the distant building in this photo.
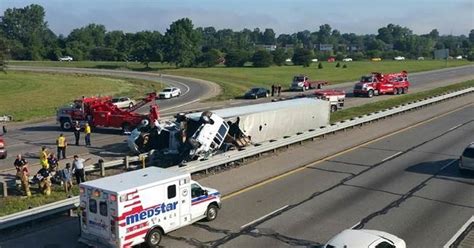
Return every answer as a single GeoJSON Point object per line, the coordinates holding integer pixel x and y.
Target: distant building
{"type": "Point", "coordinates": [267, 47]}
{"type": "Point", "coordinates": [326, 47]}
{"type": "Point", "coordinates": [441, 54]}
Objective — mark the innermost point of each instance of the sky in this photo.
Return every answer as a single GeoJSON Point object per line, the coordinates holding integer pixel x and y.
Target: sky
{"type": "Point", "coordinates": [284, 16]}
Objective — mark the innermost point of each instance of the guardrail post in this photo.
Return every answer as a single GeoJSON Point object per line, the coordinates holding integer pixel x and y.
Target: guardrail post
{"type": "Point", "coordinates": [4, 188]}
{"type": "Point", "coordinates": [126, 162]}
{"type": "Point", "coordinates": [102, 168]}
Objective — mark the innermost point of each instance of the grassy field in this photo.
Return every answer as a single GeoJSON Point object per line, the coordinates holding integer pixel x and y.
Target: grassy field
{"type": "Point", "coordinates": [28, 95]}
{"type": "Point", "coordinates": [235, 81]}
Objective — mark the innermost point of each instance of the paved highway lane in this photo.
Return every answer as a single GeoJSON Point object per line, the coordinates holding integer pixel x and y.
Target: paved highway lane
{"type": "Point", "coordinates": [406, 184]}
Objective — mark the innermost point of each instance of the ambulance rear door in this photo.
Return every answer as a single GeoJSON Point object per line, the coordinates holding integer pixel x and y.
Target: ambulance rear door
{"type": "Point", "coordinates": [185, 201]}
{"type": "Point", "coordinates": [98, 219]}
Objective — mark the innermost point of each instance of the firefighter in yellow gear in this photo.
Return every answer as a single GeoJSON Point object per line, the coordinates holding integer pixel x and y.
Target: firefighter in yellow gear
{"type": "Point", "coordinates": [22, 173]}
{"type": "Point", "coordinates": [44, 158]}
{"type": "Point", "coordinates": [44, 181]}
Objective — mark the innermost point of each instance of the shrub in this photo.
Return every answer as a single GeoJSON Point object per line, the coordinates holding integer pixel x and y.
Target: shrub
{"type": "Point", "coordinates": [338, 64]}
{"type": "Point", "coordinates": [320, 65]}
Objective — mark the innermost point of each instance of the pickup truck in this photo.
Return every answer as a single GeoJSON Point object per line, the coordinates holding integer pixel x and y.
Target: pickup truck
{"type": "Point", "coordinates": [301, 82]}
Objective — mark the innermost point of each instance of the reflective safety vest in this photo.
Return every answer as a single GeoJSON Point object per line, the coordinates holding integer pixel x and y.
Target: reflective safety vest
{"type": "Point", "coordinates": [44, 160]}
{"type": "Point", "coordinates": [87, 129]}
{"type": "Point", "coordinates": [61, 142]}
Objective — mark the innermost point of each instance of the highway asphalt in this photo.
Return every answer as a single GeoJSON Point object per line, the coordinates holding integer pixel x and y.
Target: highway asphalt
{"type": "Point", "coordinates": [405, 183]}
{"type": "Point", "coordinates": [27, 138]}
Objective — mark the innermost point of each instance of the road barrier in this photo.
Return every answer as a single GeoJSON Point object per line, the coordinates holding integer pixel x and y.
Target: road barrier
{"type": "Point", "coordinates": [232, 156]}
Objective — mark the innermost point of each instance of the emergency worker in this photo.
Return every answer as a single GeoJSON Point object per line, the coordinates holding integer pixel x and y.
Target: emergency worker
{"type": "Point", "coordinates": [44, 157]}
{"type": "Point", "coordinates": [22, 172]}
{"type": "Point", "coordinates": [77, 132]}
{"type": "Point", "coordinates": [44, 181]}
{"type": "Point", "coordinates": [87, 132]}
{"type": "Point", "coordinates": [61, 143]}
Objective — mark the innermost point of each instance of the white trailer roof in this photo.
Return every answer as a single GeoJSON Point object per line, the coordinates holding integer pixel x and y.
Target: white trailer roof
{"type": "Point", "coordinates": [133, 179]}
{"type": "Point", "coordinates": [227, 113]}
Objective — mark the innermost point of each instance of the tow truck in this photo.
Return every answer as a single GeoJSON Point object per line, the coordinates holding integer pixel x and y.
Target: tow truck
{"type": "Point", "coordinates": [377, 83]}
{"type": "Point", "coordinates": [101, 112]}
{"type": "Point", "coordinates": [335, 97]}
{"type": "Point", "coordinates": [302, 82]}
{"type": "Point", "coordinates": [3, 150]}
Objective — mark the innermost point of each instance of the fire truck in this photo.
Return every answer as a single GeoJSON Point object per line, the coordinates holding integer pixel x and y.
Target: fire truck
{"type": "Point", "coordinates": [101, 112]}
{"type": "Point", "coordinates": [378, 83]}
{"type": "Point", "coordinates": [334, 97]}
{"type": "Point", "coordinates": [301, 82]}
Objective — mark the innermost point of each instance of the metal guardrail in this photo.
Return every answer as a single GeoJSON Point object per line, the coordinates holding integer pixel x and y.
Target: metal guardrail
{"type": "Point", "coordinates": [230, 156]}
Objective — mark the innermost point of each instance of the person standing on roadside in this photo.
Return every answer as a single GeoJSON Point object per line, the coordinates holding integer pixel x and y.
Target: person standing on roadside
{"type": "Point", "coordinates": [66, 178]}
{"type": "Point", "coordinates": [77, 132]}
{"type": "Point", "coordinates": [279, 89]}
{"type": "Point", "coordinates": [87, 132]}
{"type": "Point", "coordinates": [44, 157]}
{"type": "Point", "coordinates": [61, 143]}
{"type": "Point", "coordinates": [78, 167]}
{"type": "Point", "coordinates": [22, 172]}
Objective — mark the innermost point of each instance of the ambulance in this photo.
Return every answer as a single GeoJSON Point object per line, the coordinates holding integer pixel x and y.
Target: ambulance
{"type": "Point", "coordinates": [141, 206]}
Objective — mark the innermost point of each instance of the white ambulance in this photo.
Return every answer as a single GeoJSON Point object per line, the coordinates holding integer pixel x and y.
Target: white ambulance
{"type": "Point", "coordinates": [140, 206]}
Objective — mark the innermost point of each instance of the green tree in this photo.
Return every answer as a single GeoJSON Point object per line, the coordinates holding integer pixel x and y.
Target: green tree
{"type": "Point", "coordinates": [236, 58]}
{"type": "Point", "coordinates": [268, 37]}
{"type": "Point", "coordinates": [302, 56]}
{"type": "Point", "coordinates": [262, 58]}
{"type": "Point", "coordinates": [25, 28]}
{"type": "Point", "coordinates": [146, 47]}
{"type": "Point", "coordinates": [210, 58]}
{"type": "Point", "coordinates": [279, 56]}
{"type": "Point", "coordinates": [181, 43]}
{"type": "Point", "coordinates": [4, 54]}
{"type": "Point", "coordinates": [84, 40]}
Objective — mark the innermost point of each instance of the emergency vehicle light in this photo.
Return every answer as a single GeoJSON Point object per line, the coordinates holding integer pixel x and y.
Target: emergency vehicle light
{"type": "Point", "coordinates": [113, 198]}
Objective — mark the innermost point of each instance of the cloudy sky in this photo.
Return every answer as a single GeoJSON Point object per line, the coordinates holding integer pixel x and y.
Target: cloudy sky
{"type": "Point", "coordinates": [284, 16]}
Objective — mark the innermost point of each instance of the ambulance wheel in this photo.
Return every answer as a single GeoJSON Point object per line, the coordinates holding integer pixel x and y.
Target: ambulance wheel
{"type": "Point", "coordinates": [153, 238]}
{"type": "Point", "coordinates": [211, 213]}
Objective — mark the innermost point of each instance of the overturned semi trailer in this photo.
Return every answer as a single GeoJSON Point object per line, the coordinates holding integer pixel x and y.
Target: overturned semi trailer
{"type": "Point", "coordinates": [198, 135]}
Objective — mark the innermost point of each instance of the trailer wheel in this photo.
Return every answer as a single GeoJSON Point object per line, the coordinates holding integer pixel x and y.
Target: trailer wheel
{"type": "Point", "coordinates": [153, 238]}
{"type": "Point", "coordinates": [66, 125]}
{"type": "Point", "coordinates": [370, 93]}
{"type": "Point", "coordinates": [333, 108]}
{"type": "Point", "coordinates": [211, 212]}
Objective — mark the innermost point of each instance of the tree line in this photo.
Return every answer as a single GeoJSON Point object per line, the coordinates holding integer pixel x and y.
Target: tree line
{"type": "Point", "coordinates": [25, 35]}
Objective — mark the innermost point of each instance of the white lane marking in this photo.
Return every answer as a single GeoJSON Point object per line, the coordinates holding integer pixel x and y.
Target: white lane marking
{"type": "Point", "coordinates": [458, 233]}
{"type": "Point", "coordinates": [263, 217]}
{"type": "Point", "coordinates": [352, 227]}
{"type": "Point", "coordinates": [448, 164]}
{"type": "Point", "coordinates": [181, 105]}
{"type": "Point", "coordinates": [451, 129]}
{"type": "Point", "coordinates": [392, 156]}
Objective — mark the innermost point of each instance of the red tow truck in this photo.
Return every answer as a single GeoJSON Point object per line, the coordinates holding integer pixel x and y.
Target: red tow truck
{"type": "Point", "coordinates": [101, 112]}
{"type": "Point", "coordinates": [3, 149]}
{"type": "Point", "coordinates": [302, 82]}
{"type": "Point", "coordinates": [378, 83]}
{"type": "Point", "coordinates": [335, 97]}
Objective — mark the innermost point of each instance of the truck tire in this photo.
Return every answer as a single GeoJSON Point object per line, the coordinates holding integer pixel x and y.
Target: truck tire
{"type": "Point", "coordinates": [333, 108]}
{"type": "Point", "coordinates": [126, 127]}
{"type": "Point", "coordinates": [395, 91]}
{"type": "Point", "coordinates": [370, 93]}
{"type": "Point", "coordinates": [66, 125]}
{"type": "Point", "coordinates": [211, 212]}
{"type": "Point", "coordinates": [153, 238]}
{"type": "Point", "coordinates": [405, 90]}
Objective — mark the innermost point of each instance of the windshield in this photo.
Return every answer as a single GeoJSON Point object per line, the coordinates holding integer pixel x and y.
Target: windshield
{"type": "Point", "coordinates": [254, 90]}
{"type": "Point", "coordinates": [167, 90]}
{"type": "Point", "coordinates": [298, 79]}
{"type": "Point", "coordinates": [469, 152]}
{"type": "Point", "coordinates": [366, 79]}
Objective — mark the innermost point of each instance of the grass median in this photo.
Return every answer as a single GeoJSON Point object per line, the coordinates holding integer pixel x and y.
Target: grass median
{"type": "Point", "coordinates": [13, 204]}
{"type": "Point", "coordinates": [380, 105]}
{"type": "Point", "coordinates": [31, 95]}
